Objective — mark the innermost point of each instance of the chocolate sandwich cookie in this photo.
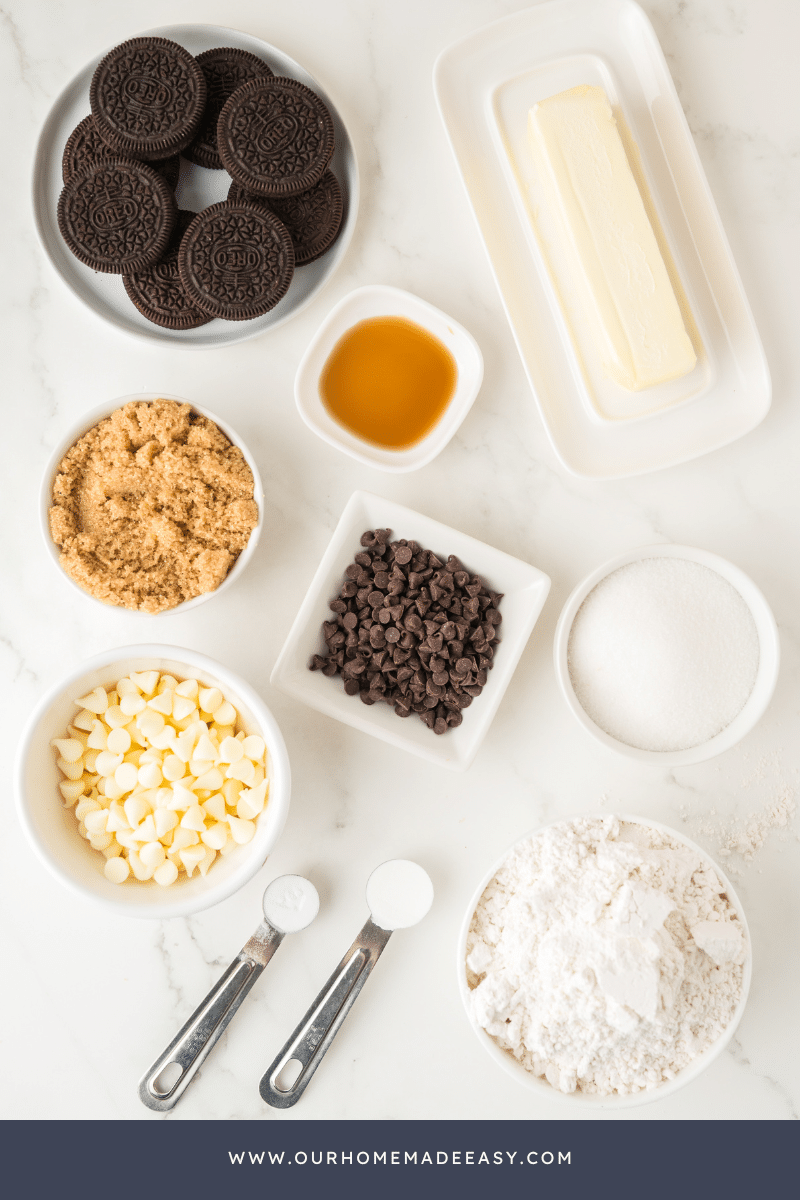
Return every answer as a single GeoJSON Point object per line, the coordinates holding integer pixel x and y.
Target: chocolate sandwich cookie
{"type": "Point", "coordinates": [158, 292]}
{"type": "Point", "coordinates": [236, 261]}
{"type": "Point", "coordinates": [147, 98]}
{"type": "Point", "coordinates": [116, 215]}
{"type": "Point", "coordinates": [275, 137]}
{"type": "Point", "coordinates": [313, 218]}
{"type": "Point", "coordinates": [225, 69]}
{"type": "Point", "coordinates": [85, 146]}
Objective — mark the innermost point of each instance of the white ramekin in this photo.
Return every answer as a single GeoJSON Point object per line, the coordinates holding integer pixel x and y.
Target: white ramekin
{"type": "Point", "coordinates": [53, 831]}
{"type": "Point", "coordinates": [380, 300]}
{"type": "Point", "coordinates": [766, 676]}
{"type": "Point", "coordinates": [88, 421]}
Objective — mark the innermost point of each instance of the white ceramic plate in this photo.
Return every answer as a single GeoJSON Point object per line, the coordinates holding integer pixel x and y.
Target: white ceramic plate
{"type": "Point", "coordinates": [197, 188]}
{"type": "Point", "coordinates": [541, 1087]}
{"type": "Point", "coordinates": [524, 591]}
{"type": "Point", "coordinates": [378, 300]}
{"type": "Point", "coordinates": [485, 85]}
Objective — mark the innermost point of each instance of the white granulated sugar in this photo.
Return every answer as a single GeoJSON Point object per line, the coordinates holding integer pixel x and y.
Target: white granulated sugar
{"type": "Point", "coordinates": [663, 654]}
{"type": "Point", "coordinates": [605, 956]}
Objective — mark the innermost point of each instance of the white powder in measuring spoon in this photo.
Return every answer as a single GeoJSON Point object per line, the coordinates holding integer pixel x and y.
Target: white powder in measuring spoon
{"type": "Point", "coordinates": [399, 894]}
{"type": "Point", "coordinates": [663, 654]}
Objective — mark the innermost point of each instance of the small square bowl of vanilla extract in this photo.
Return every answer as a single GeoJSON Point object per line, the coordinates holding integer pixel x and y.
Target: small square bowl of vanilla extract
{"type": "Point", "coordinates": [388, 378]}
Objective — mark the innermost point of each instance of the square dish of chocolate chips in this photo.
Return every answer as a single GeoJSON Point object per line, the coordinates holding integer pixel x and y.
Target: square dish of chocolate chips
{"type": "Point", "coordinates": [411, 629]}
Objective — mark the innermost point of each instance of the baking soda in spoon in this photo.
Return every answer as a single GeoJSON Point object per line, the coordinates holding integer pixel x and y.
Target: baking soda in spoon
{"type": "Point", "coordinates": [399, 894]}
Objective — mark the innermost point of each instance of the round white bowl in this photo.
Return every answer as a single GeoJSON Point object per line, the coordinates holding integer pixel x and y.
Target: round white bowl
{"type": "Point", "coordinates": [88, 421]}
{"type": "Point", "coordinates": [540, 1086]}
{"type": "Point", "coordinates": [766, 676]}
{"type": "Point", "coordinates": [53, 831]}
{"type": "Point", "coordinates": [380, 300]}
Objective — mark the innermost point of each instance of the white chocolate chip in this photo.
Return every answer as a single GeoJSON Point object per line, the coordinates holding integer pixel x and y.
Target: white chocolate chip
{"type": "Point", "coordinates": [254, 747]}
{"type": "Point", "coordinates": [216, 836]}
{"type": "Point", "coordinates": [98, 738]}
{"type": "Point", "coordinates": [172, 768]}
{"type": "Point", "coordinates": [150, 775]}
{"type": "Point", "coordinates": [118, 741]}
{"type": "Point", "coordinates": [215, 807]}
{"type": "Point", "coordinates": [225, 714]}
{"type": "Point", "coordinates": [70, 749]}
{"type": "Point", "coordinates": [146, 680]}
{"type": "Point", "coordinates": [166, 874]}
{"type": "Point", "coordinates": [152, 854]}
{"type": "Point", "coordinates": [96, 701]}
{"type": "Point", "coordinates": [115, 718]}
{"type": "Point", "coordinates": [231, 751]}
{"type": "Point", "coordinates": [140, 869]}
{"type": "Point", "coordinates": [126, 776]}
{"type": "Point", "coordinates": [183, 707]}
{"type": "Point", "coordinates": [162, 703]}
{"type": "Point", "coordinates": [193, 818]}
{"type": "Point", "coordinates": [241, 831]}
{"type": "Point", "coordinates": [117, 870]}
{"type": "Point", "coordinates": [210, 699]}
{"type": "Point", "coordinates": [72, 770]}
{"type": "Point", "coordinates": [243, 770]}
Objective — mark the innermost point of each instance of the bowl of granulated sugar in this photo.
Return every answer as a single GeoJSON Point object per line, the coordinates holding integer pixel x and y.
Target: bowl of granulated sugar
{"type": "Point", "coordinates": [667, 654]}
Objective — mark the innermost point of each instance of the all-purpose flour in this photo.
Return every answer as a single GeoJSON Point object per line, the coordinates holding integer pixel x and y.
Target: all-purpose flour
{"type": "Point", "coordinates": [605, 956]}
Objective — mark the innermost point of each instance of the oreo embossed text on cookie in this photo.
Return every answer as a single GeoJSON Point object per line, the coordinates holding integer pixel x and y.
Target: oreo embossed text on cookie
{"type": "Point", "coordinates": [225, 69]}
{"type": "Point", "coordinates": [147, 97]}
{"type": "Point", "coordinates": [116, 215]}
{"type": "Point", "coordinates": [313, 217]}
{"type": "Point", "coordinates": [236, 261]}
{"type": "Point", "coordinates": [275, 136]}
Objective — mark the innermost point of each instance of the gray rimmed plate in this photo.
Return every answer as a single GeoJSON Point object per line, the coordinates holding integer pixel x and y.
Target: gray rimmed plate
{"type": "Point", "coordinates": [197, 188]}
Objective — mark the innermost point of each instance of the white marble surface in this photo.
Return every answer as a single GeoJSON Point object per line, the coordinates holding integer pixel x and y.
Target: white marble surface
{"type": "Point", "coordinates": [89, 999]}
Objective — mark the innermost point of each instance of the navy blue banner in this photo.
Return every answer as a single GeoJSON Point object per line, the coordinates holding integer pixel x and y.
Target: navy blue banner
{"type": "Point", "coordinates": [504, 1159]}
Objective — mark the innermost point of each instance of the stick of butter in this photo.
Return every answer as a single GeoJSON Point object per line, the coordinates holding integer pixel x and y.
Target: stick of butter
{"type": "Point", "coordinates": [617, 265]}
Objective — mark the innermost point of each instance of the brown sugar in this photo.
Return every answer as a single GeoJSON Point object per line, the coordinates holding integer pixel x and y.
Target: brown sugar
{"type": "Point", "coordinates": [152, 507]}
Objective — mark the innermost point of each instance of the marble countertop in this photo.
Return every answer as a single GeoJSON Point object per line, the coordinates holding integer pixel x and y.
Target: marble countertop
{"type": "Point", "coordinates": [90, 998]}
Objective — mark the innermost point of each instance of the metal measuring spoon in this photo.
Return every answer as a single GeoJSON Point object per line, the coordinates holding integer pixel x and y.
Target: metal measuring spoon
{"type": "Point", "coordinates": [399, 894]}
{"type": "Point", "coordinates": [290, 903]}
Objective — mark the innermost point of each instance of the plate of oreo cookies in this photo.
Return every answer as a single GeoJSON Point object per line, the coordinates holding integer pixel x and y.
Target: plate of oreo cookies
{"type": "Point", "coordinates": [195, 186]}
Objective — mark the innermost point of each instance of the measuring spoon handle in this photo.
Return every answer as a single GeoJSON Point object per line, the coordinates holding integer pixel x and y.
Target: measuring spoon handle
{"type": "Point", "coordinates": [312, 1037]}
{"type": "Point", "coordinates": [195, 1041]}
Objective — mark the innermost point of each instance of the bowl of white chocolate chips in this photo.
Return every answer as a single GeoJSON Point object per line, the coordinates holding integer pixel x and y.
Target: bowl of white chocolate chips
{"type": "Point", "coordinates": [605, 960]}
{"type": "Point", "coordinates": [153, 780]}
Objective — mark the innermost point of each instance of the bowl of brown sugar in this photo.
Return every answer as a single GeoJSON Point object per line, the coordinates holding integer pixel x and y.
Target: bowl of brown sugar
{"type": "Point", "coordinates": [150, 503]}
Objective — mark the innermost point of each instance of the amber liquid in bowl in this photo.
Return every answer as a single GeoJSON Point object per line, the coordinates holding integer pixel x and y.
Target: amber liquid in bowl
{"type": "Point", "coordinates": [388, 381]}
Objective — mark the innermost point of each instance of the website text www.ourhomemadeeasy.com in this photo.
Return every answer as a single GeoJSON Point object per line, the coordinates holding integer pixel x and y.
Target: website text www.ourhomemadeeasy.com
{"type": "Point", "coordinates": [400, 1158]}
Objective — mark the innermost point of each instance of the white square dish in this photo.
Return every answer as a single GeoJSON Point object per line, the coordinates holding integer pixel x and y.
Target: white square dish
{"type": "Point", "coordinates": [485, 85]}
{"type": "Point", "coordinates": [379, 300]}
{"type": "Point", "coordinates": [524, 591]}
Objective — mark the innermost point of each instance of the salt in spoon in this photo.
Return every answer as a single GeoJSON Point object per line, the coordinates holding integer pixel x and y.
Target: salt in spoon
{"type": "Point", "coordinates": [290, 904]}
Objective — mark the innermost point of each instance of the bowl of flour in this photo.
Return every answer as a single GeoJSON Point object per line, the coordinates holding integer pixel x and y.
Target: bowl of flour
{"type": "Point", "coordinates": [604, 960]}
